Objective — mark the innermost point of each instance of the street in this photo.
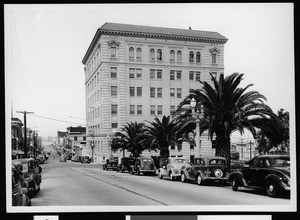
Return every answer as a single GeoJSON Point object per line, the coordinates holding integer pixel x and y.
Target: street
{"type": "Point", "coordinates": [76, 184]}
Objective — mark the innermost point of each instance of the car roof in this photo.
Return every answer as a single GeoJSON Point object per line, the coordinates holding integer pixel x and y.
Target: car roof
{"type": "Point", "coordinates": [272, 155]}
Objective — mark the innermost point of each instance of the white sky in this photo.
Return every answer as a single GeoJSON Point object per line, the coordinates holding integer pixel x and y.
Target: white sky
{"type": "Point", "coordinates": [45, 44]}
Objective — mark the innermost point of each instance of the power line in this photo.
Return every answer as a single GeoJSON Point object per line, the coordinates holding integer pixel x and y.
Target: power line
{"type": "Point", "coordinates": [54, 119]}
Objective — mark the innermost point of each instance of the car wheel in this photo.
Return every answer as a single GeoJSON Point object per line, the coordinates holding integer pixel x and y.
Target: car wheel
{"type": "Point", "coordinates": [182, 177]}
{"type": "Point", "coordinates": [234, 185]}
{"type": "Point", "coordinates": [199, 179]}
{"type": "Point", "coordinates": [271, 189]}
{"type": "Point", "coordinates": [171, 176]}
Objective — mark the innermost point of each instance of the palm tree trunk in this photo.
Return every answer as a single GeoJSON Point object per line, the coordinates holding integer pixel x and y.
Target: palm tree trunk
{"type": "Point", "coordinates": [223, 148]}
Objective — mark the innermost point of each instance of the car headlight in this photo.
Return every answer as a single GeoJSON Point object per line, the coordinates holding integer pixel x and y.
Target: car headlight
{"type": "Point", "coordinates": [218, 173]}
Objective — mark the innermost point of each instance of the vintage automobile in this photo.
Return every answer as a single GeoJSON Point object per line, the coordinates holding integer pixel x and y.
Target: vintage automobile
{"type": "Point", "coordinates": [19, 197]}
{"type": "Point", "coordinates": [125, 164]}
{"type": "Point", "coordinates": [85, 159]}
{"type": "Point", "coordinates": [268, 172]}
{"type": "Point", "coordinates": [204, 169]}
{"type": "Point", "coordinates": [32, 174]}
{"type": "Point", "coordinates": [143, 165]}
{"type": "Point", "coordinates": [172, 168]}
{"type": "Point", "coordinates": [111, 164]}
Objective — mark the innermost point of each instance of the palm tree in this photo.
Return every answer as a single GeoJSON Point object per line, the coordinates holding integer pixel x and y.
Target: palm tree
{"type": "Point", "coordinates": [228, 108]}
{"type": "Point", "coordinates": [163, 134]}
{"type": "Point", "coordinates": [131, 138]}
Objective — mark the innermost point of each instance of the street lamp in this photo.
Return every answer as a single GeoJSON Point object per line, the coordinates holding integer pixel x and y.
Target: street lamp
{"type": "Point", "coordinates": [198, 116]}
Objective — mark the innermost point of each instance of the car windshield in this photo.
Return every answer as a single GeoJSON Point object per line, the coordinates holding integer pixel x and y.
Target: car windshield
{"type": "Point", "coordinates": [180, 161]}
{"type": "Point", "coordinates": [217, 161]}
{"type": "Point", "coordinates": [281, 162]}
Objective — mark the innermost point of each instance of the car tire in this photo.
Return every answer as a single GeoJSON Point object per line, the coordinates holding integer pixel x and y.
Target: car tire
{"type": "Point", "coordinates": [199, 179]}
{"type": "Point", "coordinates": [234, 184]}
{"type": "Point", "coordinates": [182, 177]}
{"type": "Point", "coordinates": [271, 189]}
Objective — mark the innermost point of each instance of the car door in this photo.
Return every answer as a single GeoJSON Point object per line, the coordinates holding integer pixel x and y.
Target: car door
{"type": "Point", "coordinates": [255, 171]}
{"type": "Point", "coordinates": [194, 168]}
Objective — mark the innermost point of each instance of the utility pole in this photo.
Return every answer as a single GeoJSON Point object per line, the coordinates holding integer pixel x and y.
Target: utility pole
{"type": "Point", "coordinates": [242, 146]}
{"type": "Point", "coordinates": [25, 130]}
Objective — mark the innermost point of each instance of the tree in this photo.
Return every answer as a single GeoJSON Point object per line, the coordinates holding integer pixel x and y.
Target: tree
{"type": "Point", "coordinates": [131, 138]}
{"type": "Point", "coordinates": [228, 108]}
{"type": "Point", "coordinates": [280, 141]}
{"type": "Point", "coordinates": [163, 134]}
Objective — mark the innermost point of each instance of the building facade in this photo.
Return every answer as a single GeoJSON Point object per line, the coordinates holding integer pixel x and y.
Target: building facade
{"type": "Point", "coordinates": [133, 73]}
{"type": "Point", "coordinates": [76, 141]}
{"type": "Point", "coordinates": [16, 138]}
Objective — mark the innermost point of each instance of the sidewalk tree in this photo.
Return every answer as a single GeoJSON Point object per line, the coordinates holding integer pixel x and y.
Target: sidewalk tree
{"type": "Point", "coordinates": [229, 108]}
{"type": "Point", "coordinates": [130, 138]}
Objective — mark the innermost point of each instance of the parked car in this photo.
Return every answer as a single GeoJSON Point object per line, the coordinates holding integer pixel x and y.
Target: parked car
{"type": "Point", "coordinates": [268, 172]}
{"type": "Point", "coordinates": [111, 164]}
{"type": "Point", "coordinates": [172, 168]}
{"type": "Point", "coordinates": [63, 158]}
{"type": "Point", "coordinates": [32, 174]}
{"type": "Point", "coordinates": [85, 159]}
{"type": "Point", "coordinates": [77, 159]}
{"type": "Point", "coordinates": [125, 164]}
{"type": "Point", "coordinates": [19, 197]}
{"type": "Point", "coordinates": [204, 169]}
{"type": "Point", "coordinates": [143, 165]}
{"type": "Point", "coordinates": [40, 158]}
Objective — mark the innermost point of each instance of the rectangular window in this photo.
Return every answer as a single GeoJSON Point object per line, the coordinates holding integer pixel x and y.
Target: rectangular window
{"type": "Point", "coordinates": [113, 72]}
{"type": "Point", "coordinates": [138, 73]}
{"type": "Point", "coordinates": [191, 75]}
{"type": "Point", "coordinates": [131, 91]}
{"type": "Point", "coordinates": [152, 92]}
{"type": "Point", "coordinates": [152, 74]}
{"type": "Point", "coordinates": [172, 75]}
{"type": "Point", "coordinates": [75, 138]}
{"type": "Point", "coordinates": [178, 75]}
{"type": "Point", "coordinates": [114, 90]}
{"type": "Point", "coordinates": [152, 109]}
{"type": "Point", "coordinates": [139, 109]}
{"type": "Point", "coordinates": [172, 109]}
{"type": "Point", "coordinates": [114, 125]}
{"type": "Point", "coordinates": [172, 92]}
{"type": "Point", "coordinates": [114, 109]}
{"type": "Point", "coordinates": [179, 92]}
{"type": "Point", "coordinates": [131, 73]}
{"type": "Point", "coordinates": [139, 91]}
{"type": "Point", "coordinates": [214, 58]}
{"type": "Point", "coordinates": [198, 76]}
{"type": "Point", "coordinates": [159, 74]}
{"type": "Point", "coordinates": [159, 109]}
{"type": "Point", "coordinates": [132, 109]}
{"type": "Point", "coordinates": [159, 92]}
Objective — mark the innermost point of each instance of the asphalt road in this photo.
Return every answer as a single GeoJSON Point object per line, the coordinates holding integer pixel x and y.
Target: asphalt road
{"type": "Point", "coordinates": [75, 184]}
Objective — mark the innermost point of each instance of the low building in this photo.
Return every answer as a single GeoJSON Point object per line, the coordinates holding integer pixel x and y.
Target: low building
{"type": "Point", "coordinates": [76, 141]}
{"type": "Point", "coordinates": [16, 138]}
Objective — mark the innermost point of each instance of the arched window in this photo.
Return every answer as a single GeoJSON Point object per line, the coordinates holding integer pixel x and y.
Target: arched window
{"type": "Point", "coordinates": [131, 53]}
{"type": "Point", "coordinates": [152, 54]}
{"type": "Point", "coordinates": [191, 57]}
{"type": "Point", "coordinates": [159, 54]}
{"type": "Point", "coordinates": [214, 58]}
{"type": "Point", "coordinates": [214, 55]}
{"type": "Point", "coordinates": [179, 56]}
{"type": "Point", "coordinates": [138, 53]}
{"type": "Point", "coordinates": [198, 57]}
{"type": "Point", "coordinates": [172, 56]}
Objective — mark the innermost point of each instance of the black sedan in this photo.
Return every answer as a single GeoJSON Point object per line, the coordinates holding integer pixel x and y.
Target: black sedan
{"type": "Point", "coordinates": [269, 172]}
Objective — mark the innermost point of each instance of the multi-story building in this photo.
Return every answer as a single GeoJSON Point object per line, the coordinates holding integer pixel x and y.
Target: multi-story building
{"type": "Point", "coordinates": [134, 72]}
{"type": "Point", "coordinates": [16, 138]}
{"type": "Point", "coordinates": [76, 141]}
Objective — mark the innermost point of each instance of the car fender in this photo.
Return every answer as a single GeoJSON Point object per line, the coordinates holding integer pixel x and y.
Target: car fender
{"type": "Point", "coordinates": [240, 178]}
{"type": "Point", "coordinates": [275, 178]}
{"type": "Point", "coordinates": [163, 171]}
{"type": "Point", "coordinates": [186, 173]}
{"type": "Point", "coordinates": [201, 173]}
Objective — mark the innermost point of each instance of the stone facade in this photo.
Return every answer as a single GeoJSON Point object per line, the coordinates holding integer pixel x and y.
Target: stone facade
{"type": "Point", "coordinates": [135, 72]}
